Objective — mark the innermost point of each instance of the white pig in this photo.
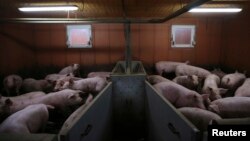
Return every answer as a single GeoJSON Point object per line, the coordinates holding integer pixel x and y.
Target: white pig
{"type": "Point", "coordinates": [154, 79]}
{"type": "Point", "coordinates": [26, 96]}
{"type": "Point", "coordinates": [199, 117]}
{"type": "Point", "coordinates": [180, 96]}
{"type": "Point", "coordinates": [211, 87]}
{"type": "Point", "coordinates": [244, 90]}
{"type": "Point", "coordinates": [74, 69]}
{"type": "Point", "coordinates": [233, 81]}
{"type": "Point", "coordinates": [102, 74]}
{"type": "Point", "coordinates": [218, 72]}
{"type": "Point", "coordinates": [188, 81]}
{"type": "Point", "coordinates": [31, 84]}
{"type": "Point", "coordinates": [191, 70]}
{"type": "Point", "coordinates": [93, 85]}
{"type": "Point", "coordinates": [60, 100]}
{"type": "Point", "coordinates": [55, 77]}
{"type": "Point", "coordinates": [231, 107]}
{"type": "Point", "coordinates": [167, 66]}
{"type": "Point", "coordinates": [29, 120]}
{"type": "Point", "coordinates": [12, 84]}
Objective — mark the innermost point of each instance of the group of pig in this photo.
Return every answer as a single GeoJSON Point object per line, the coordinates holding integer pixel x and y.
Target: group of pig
{"type": "Point", "coordinates": [61, 92]}
{"type": "Point", "coordinates": [201, 95]}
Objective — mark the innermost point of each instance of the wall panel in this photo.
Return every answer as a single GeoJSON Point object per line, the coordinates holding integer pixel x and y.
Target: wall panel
{"type": "Point", "coordinates": [16, 48]}
{"type": "Point", "coordinates": [236, 46]}
{"type": "Point", "coordinates": [150, 43]}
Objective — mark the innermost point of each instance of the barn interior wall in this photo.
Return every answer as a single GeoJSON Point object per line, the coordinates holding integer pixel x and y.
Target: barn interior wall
{"type": "Point", "coordinates": [16, 49]}
{"type": "Point", "coordinates": [150, 43]}
{"type": "Point", "coordinates": [44, 45]}
{"type": "Point", "coordinates": [236, 49]}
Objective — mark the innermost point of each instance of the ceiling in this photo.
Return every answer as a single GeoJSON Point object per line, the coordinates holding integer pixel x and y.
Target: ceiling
{"type": "Point", "coordinates": [150, 9]}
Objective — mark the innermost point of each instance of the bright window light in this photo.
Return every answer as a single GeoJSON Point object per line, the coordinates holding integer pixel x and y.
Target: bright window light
{"type": "Point", "coordinates": [48, 8]}
{"type": "Point", "coordinates": [215, 10]}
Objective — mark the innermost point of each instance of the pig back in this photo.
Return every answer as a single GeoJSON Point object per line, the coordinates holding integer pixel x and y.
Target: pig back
{"type": "Point", "coordinates": [231, 107]}
{"type": "Point", "coordinates": [191, 70]}
{"type": "Point", "coordinates": [244, 90]}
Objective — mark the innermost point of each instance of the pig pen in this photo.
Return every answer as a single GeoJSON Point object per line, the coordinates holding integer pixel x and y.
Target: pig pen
{"type": "Point", "coordinates": [128, 108]}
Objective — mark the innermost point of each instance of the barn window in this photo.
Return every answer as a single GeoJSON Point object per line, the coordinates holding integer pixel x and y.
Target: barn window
{"type": "Point", "coordinates": [183, 36]}
{"type": "Point", "coordinates": [79, 36]}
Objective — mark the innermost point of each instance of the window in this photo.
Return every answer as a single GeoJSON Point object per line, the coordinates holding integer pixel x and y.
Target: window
{"type": "Point", "coordinates": [183, 36]}
{"type": "Point", "coordinates": [79, 36]}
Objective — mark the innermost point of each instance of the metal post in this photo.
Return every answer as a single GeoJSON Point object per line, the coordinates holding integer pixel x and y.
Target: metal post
{"type": "Point", "coordinates": [128, 48]}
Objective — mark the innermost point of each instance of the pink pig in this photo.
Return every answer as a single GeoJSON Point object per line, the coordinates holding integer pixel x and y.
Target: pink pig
{"type": "Point", "coordinates": [154, 79]}
{"type": "Point", "coordinates": [188, 81]}
{"type": "Point", "coordinates": [72, 69]}
{"type": "Point", "coordinates": [93, 85]}
{"type": "Point", "coordinates": [244, 90]}
{"type": "Point", "coordinates": [180, 96]}
{"type": "Point", "coordinates": [231, 107]}
{"type": "Point", "coordinates": [199, 117]}
{"type": "Point", "coordinates": [191, 70]}
{"type": "Point", "coordinates": [29, 120]}
{"type": "Point", "coordinates": [31, 84]}
{"type": "Point", "coordinates": [211, 87]}
{"type": "Point", "coordinates": [12, 84]}
{"type": "Point", "coordinates": [167, 66]}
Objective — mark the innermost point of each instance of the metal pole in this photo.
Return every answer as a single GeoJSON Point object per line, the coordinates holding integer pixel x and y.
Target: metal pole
{"type": "Point", "coordinates": [128, 48]}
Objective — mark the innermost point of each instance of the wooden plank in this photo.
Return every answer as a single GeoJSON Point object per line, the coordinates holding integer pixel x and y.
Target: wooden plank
{"type": "Point", "coordinates": [101, 44]}
{"type": "Point", "coordinates": [117, 42]}
{"type": "Point", "coordinates": [162, 41]}
{"type": "Point", "coordinates": [147, 38]}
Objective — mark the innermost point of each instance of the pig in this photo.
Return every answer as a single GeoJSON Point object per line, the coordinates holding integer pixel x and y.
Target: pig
{"type": "Point", "coordinates": [199, 117]}
{"type": "Point", "coordinates": [218, 72]}
{"type": "Point", "coordinates": [55, 77]}
{"type": "Point", "coordinates": [233, 81]}
{"type": "Point", "coordinates": [211, 87]}
{"type": "Point", "coordinates": [26, 96]}
{"type": "Point", "coordinates": [188, 81]}
{"type": "Point", "coordinates": [31, 119]}
{"type": "Point", "coordinates": [92, 85]}
{"type": "Point", "coordinates": [231, 107]}
{"type": "Point", "coordinates": [167, 66]}
{"type": "Point", "coordinates": [244, 89]}
{"type": "Point", "coordinates": [74, 69]}
{"type": "Point", "coordinates": [102, 74]}
{"type": "Point", "coordinates": [12, 84]}
{"type": "Point", "coordinates": [180, 96]}
{"type": "Point", "coordinates": [61, 100]}
{"type": "Point", "coordinates": [154, 79]}
{"type": "Point", "coordinates": [191, 70]}
{"type": "Point", "coordinates": [31, 84]}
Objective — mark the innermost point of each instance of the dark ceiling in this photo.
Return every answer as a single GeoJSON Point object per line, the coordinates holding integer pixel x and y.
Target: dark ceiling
{"type": "Point", "coordinates": [111, 8]}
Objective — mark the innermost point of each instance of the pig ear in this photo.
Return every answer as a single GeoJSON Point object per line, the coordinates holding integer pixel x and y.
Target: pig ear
{"type": "Point", "coordinates": [187, 62]}
{"type": "Point", "coordinates": [8, 102]}
{"type": "Point", "coordinates": [50, 107]}
{"type": "Point", "coordinates": [223, 91]}
{"type": "Point", "coordinates": [214, 108]}
{"type": "Point", "coordinates": [71, 96]}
